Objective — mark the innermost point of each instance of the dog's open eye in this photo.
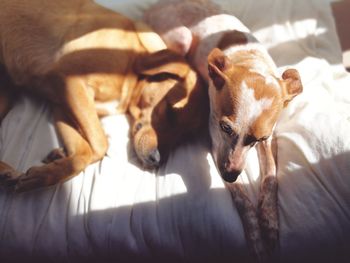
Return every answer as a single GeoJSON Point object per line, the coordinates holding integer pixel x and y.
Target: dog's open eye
{"type": "Point", "coordinates": [226, 128]}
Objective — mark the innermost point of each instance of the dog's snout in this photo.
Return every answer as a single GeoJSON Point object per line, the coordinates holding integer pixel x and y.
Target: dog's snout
{"type": "Point", "coordinates": [232, 167]}
{"type": "Point", "coordinates": [231, 176]}
{"type": "Point", "coordinates": [153, 158]}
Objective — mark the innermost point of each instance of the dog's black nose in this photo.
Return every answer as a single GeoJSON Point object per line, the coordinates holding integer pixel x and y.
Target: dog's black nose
{"type": "Point", "coordinates": [153, 158]}
{"type": "Point", "coordinates": [231, 176]}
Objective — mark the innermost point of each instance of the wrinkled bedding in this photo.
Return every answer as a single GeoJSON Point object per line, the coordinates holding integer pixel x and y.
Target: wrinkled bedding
{"type": "Point", "coordinates": [116, 212]}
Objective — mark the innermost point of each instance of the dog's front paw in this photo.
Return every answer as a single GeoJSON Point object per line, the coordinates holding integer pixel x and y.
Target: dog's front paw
{"type": "Point", "coordinates": [35, 177]}
{"type": "Point", "coordinates": [268, 214]}
{"type": "Point", "coordinates": [9, 177]}
{"type": "Point", "coordinates": [55, 154]}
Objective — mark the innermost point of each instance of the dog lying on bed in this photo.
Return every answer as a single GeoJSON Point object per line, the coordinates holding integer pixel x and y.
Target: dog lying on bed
{"type": "Point", "coordinates": [246, 98]}
{"type": "Point", "coordinates": [73, 53]}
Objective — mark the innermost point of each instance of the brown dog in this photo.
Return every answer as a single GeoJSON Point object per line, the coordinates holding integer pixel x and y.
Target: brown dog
{"type": "Point", "coordinates": [70, 53]}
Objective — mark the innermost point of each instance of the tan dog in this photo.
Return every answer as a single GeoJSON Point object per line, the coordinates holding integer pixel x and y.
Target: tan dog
{"type": "Point", "coordinates": [246, 98]}
{"type": "Point", "coordinates": [70, 53]}
{"type": "Point", "coordinates": [170, 105]}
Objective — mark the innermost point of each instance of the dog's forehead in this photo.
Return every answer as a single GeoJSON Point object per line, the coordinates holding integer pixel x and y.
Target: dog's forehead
{"type": "Point", "coordinates": [251, 97]}
{"type": "Point", "coordinates": [250, 104]}
{"type": "Point", "coordinates": [263, 86]}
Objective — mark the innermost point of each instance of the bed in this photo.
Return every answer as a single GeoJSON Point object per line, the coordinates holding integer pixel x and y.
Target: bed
{"type": "Point", "coordinates": [116, 212]}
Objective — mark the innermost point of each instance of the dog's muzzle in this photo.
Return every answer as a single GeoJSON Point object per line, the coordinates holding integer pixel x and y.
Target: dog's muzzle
{"type": "Point", "coordinates": [153, 158]}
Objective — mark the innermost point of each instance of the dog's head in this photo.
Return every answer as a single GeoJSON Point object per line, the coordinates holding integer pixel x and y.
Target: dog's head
{"type": "Point", "coordinates": [244, 107]}
{"type": "Point", "coordinates": [170, 104]}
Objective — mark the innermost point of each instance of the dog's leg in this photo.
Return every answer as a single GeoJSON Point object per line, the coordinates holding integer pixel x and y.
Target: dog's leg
{"type": "Point", "coordinates": [129, 84]}
{"type": "Point", "coordinates": [8, 175]}
{"type": "Point", "coordinates": [80, 130]}
{"type": "Point", "coordinates": [267, 207]}
{"type": "Point", "coordinates": [249, 220]}
{"type": "Point", "coordinates": [63, 166]}
{"type": "Point", "coordinates": [60, 164]}
{"type": "Point", "coordinates": [81, 108]}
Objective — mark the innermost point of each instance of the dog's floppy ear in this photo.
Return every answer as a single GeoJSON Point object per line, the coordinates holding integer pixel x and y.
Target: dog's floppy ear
{"type": "Point", "coordinates": [217, 64]}
{"type": "Point", "coordinates": [163, 61]}
{"type": "Point", "coordinates": [292, 85]}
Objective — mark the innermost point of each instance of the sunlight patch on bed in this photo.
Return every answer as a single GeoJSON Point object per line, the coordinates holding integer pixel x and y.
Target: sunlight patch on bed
{"type": "Point", "coordinates": [301, 30]}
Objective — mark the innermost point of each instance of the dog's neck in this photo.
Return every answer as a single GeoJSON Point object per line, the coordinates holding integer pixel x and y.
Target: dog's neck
{"type": "Point", "coordinates": [243, 49]}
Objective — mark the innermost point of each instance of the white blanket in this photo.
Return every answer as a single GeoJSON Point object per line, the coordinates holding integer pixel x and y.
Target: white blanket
{"type": "Point", "coordinates": [115, 212]}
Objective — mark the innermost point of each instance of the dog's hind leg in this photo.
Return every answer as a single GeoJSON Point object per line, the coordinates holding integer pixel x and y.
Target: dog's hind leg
{"type": "Point", "coordinates": [267, 206]}
{"type": "Point", "coordinates": [74, 100]}
{"type": "Point", "coordinates": [79, 128]}
{"type": "Point", "coordinates": [59, 166]}
{"type": "Point", "coordinates": [248, 215]}
{"type": "Point", "coordinates": [76, 156]}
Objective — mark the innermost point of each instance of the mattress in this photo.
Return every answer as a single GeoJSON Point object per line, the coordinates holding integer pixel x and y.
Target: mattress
{"type": "Point", "coordinates": [116, 212]}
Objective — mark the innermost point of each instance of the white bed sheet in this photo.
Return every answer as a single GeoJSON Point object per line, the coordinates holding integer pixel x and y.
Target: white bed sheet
{"type": "Point", "coordinates": [116, 212]}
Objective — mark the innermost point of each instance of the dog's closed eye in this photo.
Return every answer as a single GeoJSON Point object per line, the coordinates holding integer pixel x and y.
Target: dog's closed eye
{"type": "Point", "coordinates": [162, 77]}
{"type": "Point", "coordinates": [264, 138]}
{"type": "Point", "coordinates": [250, 140]}
{"type": "Point", "coordinates": [138, 126]}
